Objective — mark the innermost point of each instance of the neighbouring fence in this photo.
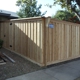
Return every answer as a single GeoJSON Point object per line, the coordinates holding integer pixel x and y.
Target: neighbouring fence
{"type": "Point", "coordinates": [44, 44]}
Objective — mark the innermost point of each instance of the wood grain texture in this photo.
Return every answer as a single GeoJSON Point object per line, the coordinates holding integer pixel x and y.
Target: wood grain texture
{"type": "Point", "coordinates": [24, 37]}
{"type": "Point", "coordinates": [62, 41]}
{"type": "Point", "coordinates": [31, 38]}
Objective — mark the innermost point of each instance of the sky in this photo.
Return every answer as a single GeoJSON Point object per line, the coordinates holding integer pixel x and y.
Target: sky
{"type": "Point", "coordinates": [9, 5]}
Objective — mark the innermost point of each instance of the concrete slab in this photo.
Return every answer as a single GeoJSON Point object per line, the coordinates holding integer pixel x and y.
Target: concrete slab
{"type": "Point", "coordinates": [62, 76]}
{"type": "Point", "coordinates": [38, 75]}
{"type": "Point", "coordinates": [68, 71]}
{"type": "Point", "coordinates": [71, 71]}
{"type": "Point", "coordinates": [75, 65]}
{"type": "Point", "coordinates": [49, 72]}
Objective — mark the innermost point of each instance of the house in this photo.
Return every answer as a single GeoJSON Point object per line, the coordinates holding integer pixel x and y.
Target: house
{"type": "Point", "coordinates": [6, 15]}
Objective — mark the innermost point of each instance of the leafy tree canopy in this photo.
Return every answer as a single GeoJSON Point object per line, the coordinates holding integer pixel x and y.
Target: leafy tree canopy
{"type": "Point", "coordinates": [29, 8]}
{"type": "Point", "coordinates": [70, 5]}
{"type": "Point", "coordinates": [65, 15]}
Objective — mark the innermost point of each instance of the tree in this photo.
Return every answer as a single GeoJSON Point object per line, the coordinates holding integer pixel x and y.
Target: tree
{"type": "Point", "coordinates": [29, 8]}
{"type": "Point", "coordinates": [70, 5]}
{"type": "Point", "coordinates": [65, 15]}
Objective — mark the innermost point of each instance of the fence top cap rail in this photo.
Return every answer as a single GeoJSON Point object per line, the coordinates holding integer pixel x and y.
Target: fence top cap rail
{"type": "Point", "coordinates": [29, 18]}
{"type": "Point", "coordinates": [23, 19]}
{"type": "Point", "coordinates": [62, 21]}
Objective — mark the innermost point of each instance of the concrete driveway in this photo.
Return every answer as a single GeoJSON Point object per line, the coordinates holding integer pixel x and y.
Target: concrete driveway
{"type": "Point", "coordinates": [65, 71]}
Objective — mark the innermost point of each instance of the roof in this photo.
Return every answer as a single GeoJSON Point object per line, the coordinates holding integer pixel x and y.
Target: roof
{"type": "Point", "coordinates": [8, 14]}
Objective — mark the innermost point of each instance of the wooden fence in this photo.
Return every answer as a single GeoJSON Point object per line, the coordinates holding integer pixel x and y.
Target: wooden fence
{"type": "Point", "coordinates": [24, 37]}
{"type": "Point", "coordinates": [62, 41]}
{"type": "Point", "coordinates": [39, 43]}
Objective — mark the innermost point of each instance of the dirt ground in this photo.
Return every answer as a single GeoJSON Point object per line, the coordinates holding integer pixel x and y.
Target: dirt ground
{"type": "Point", "coordinates": [21, 66]}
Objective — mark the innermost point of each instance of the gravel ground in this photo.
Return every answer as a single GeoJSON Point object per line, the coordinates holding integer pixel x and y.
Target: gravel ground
{"type": "Point", "coordinates": [21, 66]}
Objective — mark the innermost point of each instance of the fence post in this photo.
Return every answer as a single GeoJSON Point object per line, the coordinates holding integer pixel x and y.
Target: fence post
{"type": "Point", "coordinates": [45, 24]}
{"type": "Point", "coordinates": [43, 41]}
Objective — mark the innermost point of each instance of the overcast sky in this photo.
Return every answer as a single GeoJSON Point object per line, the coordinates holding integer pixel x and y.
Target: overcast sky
{"type": "Point", "coordinates": [10, 6]}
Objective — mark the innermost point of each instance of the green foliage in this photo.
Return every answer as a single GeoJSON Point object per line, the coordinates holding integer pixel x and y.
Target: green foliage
{"type": "Point", "coordinates": [1, 43]}
{"type": "Point", "coordinates": [62, 3]}
{"type": "Point", "coordinates": [29, 8]}
{"type": "Point", "coordinates": [65, 15]}
{"type": "Point", "coordinates": [70, 5]}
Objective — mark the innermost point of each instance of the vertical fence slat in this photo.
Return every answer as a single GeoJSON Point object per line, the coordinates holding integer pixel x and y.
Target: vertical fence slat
{"type": "Point", "coordinates": [26, 38]}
